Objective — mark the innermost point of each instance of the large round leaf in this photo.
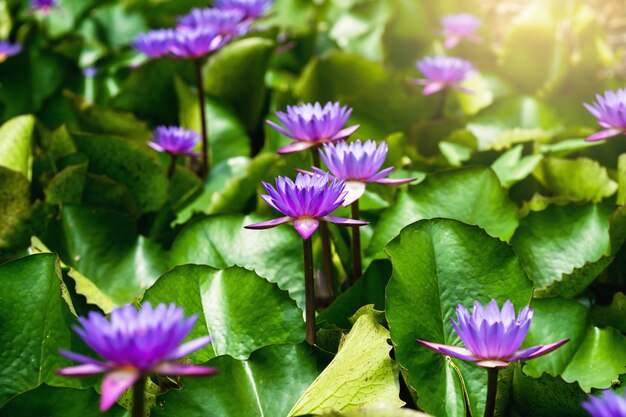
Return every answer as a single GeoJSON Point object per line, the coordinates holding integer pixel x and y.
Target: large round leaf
{"type": "Point", "coordinates": [471, 195]}
{"type": "Point", "coordinates": [564, 248]}
{"type": "Point", "coordinates": [34, 324]}
{"type": "Point", "coordinates": [268, 384]}
{"type": "Point", "coordinates": [438, 264]}
{"type": "Point", "coordinates": [240, 310]}
{"type": "Point", "coordinates": [221, 241]}
{"type": "Point", "coordinates": [106, 248]}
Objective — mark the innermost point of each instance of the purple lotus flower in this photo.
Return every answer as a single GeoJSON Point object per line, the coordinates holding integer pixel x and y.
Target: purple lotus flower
{"type": "Point", "coordinates": [442, 72]}
{"type": "Point", "coordinates": [43, 6]}
{"type": "Point", "coordinates": [227, 21]}
{"type": "Point", "coordinates": [312, 124]}
{"type": "Point", "coordinates": [459, 26]}
{"type": "Point", "coordinates": [155, 43]}
{"type": "Point", "coordinates": [610, 111]}
{"type": "Point", "coordinates": [609, 404]}
{"type": "Point", "coordinates": [251, 8]}
{"type": "Point", "coordinates": [358, 163]}
{"type": "Point", "coordinates": [492, 338]}
{"type": "Point", "coordinates": [182, 42]}
{"type": "Point", "coordinates": [304, 203]}
{"type": "Point", "coordinates": [8, 49]}
{"type": "Point", "coordinates": [198, 42]}
{"type": "Point", "coordinates": [133, 345]}
{"type": "Point", "coordinates": [175, 140]}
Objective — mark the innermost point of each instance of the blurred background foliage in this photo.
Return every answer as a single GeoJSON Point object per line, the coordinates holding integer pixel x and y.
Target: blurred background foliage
{"type": "Point", "coordinates": [75, 171]}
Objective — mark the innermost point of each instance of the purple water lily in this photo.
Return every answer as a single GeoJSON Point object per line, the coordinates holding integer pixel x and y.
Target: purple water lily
{"type": "Point", "coordinates": [305, 202]}
{"type": "Point", "coordinates": [610, 404]}
{"type": "Point", "coordinates": [155, 43]}
{"type": "Point", "coordinates": [442, 72]}
{"type": "Point", "coordinates": [226, 21]}
{"type": "Point", "coordinates": [459, 26]}
{"type": "Point", "coordinates": [311, 125]}
{"type": "Point", "coordinates": [8, 49]}
{"type": "Point", "coordinates": [492, 338]}
{"type": "Point", "coordinates": [175, 140]}
{"type": "Point", "coordinates": [43, 6]}
{"type": "Point", "coordinates": [133, 345]}
{"type": "Point", "coordinates": [357, 163]}
{"type": "Point", "coordinates": [610, 110]}
{"type": "Point", "coordinates": [252, 9]}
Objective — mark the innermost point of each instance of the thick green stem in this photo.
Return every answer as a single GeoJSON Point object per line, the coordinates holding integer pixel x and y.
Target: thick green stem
{"type": "Point", "coordinates": [327, 263]}
{"type": "Point", "coordinates": [172, 168]}
{"type": "Point", "coordinates": [441, 111]}
{"type": "Point", "coordinates": [309, 292]}
{"type": "Point", "coordinates": [206, 151]}
{"type": "Point", "coordinates": [356, 244]}
{"type": "Point", "coordinates": [138, 397]}
{"type": "Point", "coordinates": [492, 389]}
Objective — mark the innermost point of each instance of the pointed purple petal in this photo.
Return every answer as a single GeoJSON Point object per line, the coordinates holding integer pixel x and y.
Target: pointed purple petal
{"type": "Point", "coordinates": [114, 384]}
{"type": "Point", "coordinates": [344, 222]}
{"type": "Point", "coordinates": [296, 147]}
{"type": "Point", "coordinates": [268, 223]}
{"type": "Point", "coordinates": [306, 227]}
{"type": "Point", "coordinates": [533, 352]}
{"type": "Point", "coordinates": [189, 347]}
{"type": "Point", "coordinates": [345, 133]}
{"type": "Point", "coordinates": [603, 134]}
{"type": "Point", "coordinates": [181, 369]}
{"type": "Point", "coordinates": [81, 370]}
{"type": "Point", "coordinates": [280, 129]}
{"type": "Point", "coordinates": [155, 146]}
{"type": "Point", "coordinates": [454, 351]}
{"type": "Point", "coordinates": [78, 357]}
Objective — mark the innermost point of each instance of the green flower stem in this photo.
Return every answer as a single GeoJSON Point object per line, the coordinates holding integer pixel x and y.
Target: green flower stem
{"type": "Point", "coordinates": [327, 263]}
{"type": "Point", "coordinates": [172, 167]}
{"type": "Point", "coordinates": [309, 291]}
{"type": "Point", "coordinates": [492, 389]}
{"type": "Point", "coordinates": [206, 152]}
{"type": "Point", "coordinates": [442, 104]}
{"type": "Point", "coordinates": [356, 244]}
{"type": "Point", "coordinates": [138, 397]}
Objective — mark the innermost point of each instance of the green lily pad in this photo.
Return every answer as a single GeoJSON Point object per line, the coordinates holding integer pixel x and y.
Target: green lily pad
{"type": "Point", "coordinates": [15, 143]}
